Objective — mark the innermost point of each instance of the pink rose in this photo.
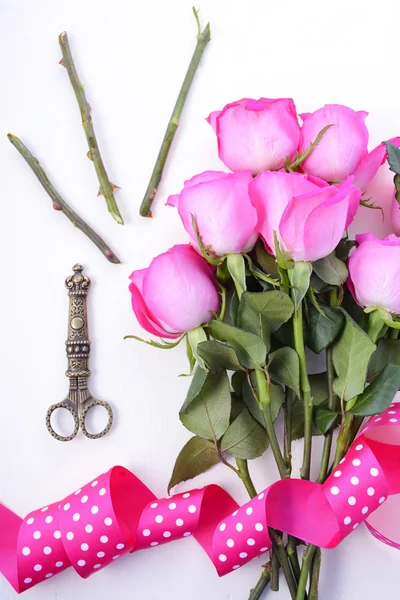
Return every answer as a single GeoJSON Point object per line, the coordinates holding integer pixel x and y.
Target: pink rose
{"type": "Point", "coordinates": [374, 272]}
{"type": "Point", "coordinates": [395, 214]}
{"type": "Point", "coordinates": [342, 147]}
{"type": "Point", "coordinates": [308, 215]}
{"type": "Point", "coordinates": [256, 134]}
{"type": "Point", "coordinates": [369, 166]}
{"type": "Point", "coordinates": [175, 294]}
{"type": "Point", "coordinates": [225, 217]}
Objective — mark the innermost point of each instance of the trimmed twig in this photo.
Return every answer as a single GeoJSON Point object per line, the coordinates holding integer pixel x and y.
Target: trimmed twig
{"type": "Point", "coordinates": [316, 566]}
{"type": "Point", "coordinates": [202, 40]}
{"type": "Point", "coordinates": [275, 566]}
{"type": "Point", "coordinates": [279, 547]}
{"type": "Point", "coordinates": [106, 187]}
{"type": "Point", "coordinates": [305, 571]}
{"type": "Point", "coordinates": [262, 583]}
{"type": "Point", "coordinates": [59, 203]}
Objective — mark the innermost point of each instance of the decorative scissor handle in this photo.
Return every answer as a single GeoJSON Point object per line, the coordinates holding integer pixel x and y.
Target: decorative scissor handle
{"type": "Point", "coordinates": [79, 400]}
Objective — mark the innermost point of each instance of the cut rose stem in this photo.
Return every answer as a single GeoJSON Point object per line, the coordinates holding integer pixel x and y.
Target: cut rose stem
{"type": "Point", "coordinates": [203, 37]}
{"type": "Point", "coordinates": [106, 187]}
{"type": "Point", "coordinates": [59, 203]}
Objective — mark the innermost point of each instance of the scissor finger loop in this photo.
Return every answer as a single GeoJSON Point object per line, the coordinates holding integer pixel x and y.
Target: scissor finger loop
{"type": "Point", "coordinates": [64, 405]}
{"type": "Point", "coordinates": [86, 408]}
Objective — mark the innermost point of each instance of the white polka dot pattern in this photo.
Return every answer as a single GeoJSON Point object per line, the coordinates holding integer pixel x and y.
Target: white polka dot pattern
{"type": "Point", "coordinates": [83, 530]}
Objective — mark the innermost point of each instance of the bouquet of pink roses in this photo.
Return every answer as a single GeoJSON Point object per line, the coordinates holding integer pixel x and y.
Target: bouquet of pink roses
{"type": "Point", "coordinates": [270, 271]}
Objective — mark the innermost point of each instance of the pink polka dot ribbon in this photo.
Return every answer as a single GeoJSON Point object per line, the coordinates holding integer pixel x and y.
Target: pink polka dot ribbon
{"type": "Point", "coordinates": [116, 514]}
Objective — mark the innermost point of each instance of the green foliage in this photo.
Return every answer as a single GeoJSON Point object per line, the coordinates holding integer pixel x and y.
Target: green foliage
{"type": "Point", "coordinates": [262, 313]}
{"type": "Point", "coordinates": [284, 368]}
{"type": "Point", "coordinates": [319, 389]}
{"type": "Point", "coordinates": [331, 270]}
{"type": "Point", "coordinates": [351, 354]}
{"type": "Point", "coordinates": [250, 349]}
{"type": "Point", "coordinates": [265, 260]}
{"type": "Point", "coordinates": [237, 269]}
{"type": "Point", "coordinates": [196, 457]}
{"type": "Point", "coordinates": [208, 414]}
{"type": "Point", "coordinates": [325, 419]}
{"type": "Point", "coordinates": [245, 438]}
{"type": "Point", "coordinates": [277, 396]}
{"type": "Point", "coordinates": [393, 157]}
{"type": "Point", "coordinates": [217, 355]}
{"type": "Point", "coordinates": [387, 353]}
{"type": "Point", "coordinates": [323, 329]}
{"type": "Point", "coordinates": [378, 396]}
{"type": "Point", "coordinates": [300, 276]}
{"type": "Point", "coordinates": [199, 378]}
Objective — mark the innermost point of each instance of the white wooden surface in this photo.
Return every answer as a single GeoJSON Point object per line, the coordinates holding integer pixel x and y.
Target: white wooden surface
{"type": "Point", "coordinates": [132, 57]}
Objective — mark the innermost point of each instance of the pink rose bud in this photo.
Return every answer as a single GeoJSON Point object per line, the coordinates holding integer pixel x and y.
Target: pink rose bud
{"type": "Point", "coordinates": [220, 203]}
{"type": "Point", "coordinates": [342, 147]}
{"type": "Point", "coordinates": [374, 272]}
{"type": "Point", "coordinates": [395, 214]}
{"type": "Point", "coordinates": [308, 215]}
{"type": "Point", "coordinates": [175, 294]}
{"type": "Point", "coordinates": [369, 166]}
{"type": "Point", "coordinates": [256, 134]}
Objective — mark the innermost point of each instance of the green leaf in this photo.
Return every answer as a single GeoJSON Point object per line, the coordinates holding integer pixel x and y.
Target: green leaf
{"type": "Point", "coordinates": [325, 420]}
{"type": "Point", "coordinates": [199, 378]}
{"type": "Point", "coordinates": [387, 353]}
{"type": "Point", "coordinates": [378, 396]}
{"type": "Point", "coordinates": [233, 308]}
{"type": "Point", "coordinates": [277, 398]}
{"type": "Point", "coordinates": [206, 251]}
{"type": "Point", "coordinates": [266, 261]}
{"type": "Point", "coordinates": [237, 269]}
{"type": "Point", "coordinates": [393, 157]}
{"type": "Point", "coordinates": [250, 349]}
{"type": "Point", "coordinates": [323, 330]}
{"type": "Point", "coordinates": [300, 279]}
{"type": "Point", "coordinates": [196, 457]}
{"type": "Point", "coordinates": [351, 354]}
{"type": "Point", "coordinates": [297, 420]}
{"type": "Point", "coordinates": [331, 270]}
{"type": "Point", "coordinates": [319, 389]}
{"type": "Point", "coordinates": [208, 414]}
{"type": "Point", "coordinates": [299, 159]}
{"type": "Point", "coordinates": [217, 356]}
{"type": "Point", "coordinates": [344, 248]}
{"type": "Point", "coordinates": [284, 367]}
{"type": "Point", "coordinates": [262, 313]}
{"type": "Point", "coordinates": [237, 382]}
{"type": "Point", "coordinates": [191, 359]}
{"type": "Point", "coordinates": [237, 405]}
{"type": "Point", "coordinates": [245, 438]}
{"type": "Point", "coordinates": [194, 338]}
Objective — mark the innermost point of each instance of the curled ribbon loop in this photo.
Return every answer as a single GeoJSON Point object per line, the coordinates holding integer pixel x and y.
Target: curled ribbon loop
{"type": "Point", "coordinates": [116, 514]}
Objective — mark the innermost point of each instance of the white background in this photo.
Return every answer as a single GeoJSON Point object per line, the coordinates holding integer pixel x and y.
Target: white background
{"type": "Point", "coordinates": [132, 57]}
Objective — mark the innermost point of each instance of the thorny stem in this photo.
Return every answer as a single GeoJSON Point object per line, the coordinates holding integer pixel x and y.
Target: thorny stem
{"type": "Point", "coordinates": [316, 566]}
{"type": "Point", "coordinates": [275, 566]}
{"type": "Point", "coordinates": [59, 203]}
{"type": "Point", "coordinates": [287, 436]}
{"type": "Point", "coordinates": [202, 40]}
{"type": "Point", "coordinates": [106, 187]}
{"type": "Point", "coordinates": [245, 477]}
{"type": "Point", "coordinates": [291, 549]}
{"type": "Point", "coordinates": [262, 583]}
{"type": "Point", "coordinates": [305, 390]}
{"type": "Point", "coordinates": [279, 547]}
{"type": "Point", "coordinates": [305, 569]}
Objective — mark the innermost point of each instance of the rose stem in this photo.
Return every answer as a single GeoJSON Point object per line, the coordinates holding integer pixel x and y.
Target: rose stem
{"type": "Point", "coordinates": [106, 187]}
{"type": "Point", "coordinates": [316, 566]}
{"type": "Point", "coordinates": [264, 401]}
{"type": "Point", "coordinates": [275, 566]}
{"type": "Point", "coordinates": [272, 570]}
{"type": "Point", "coordinates": [332, 400]}
{"type": "Point", "coordinates": [305, 390]}
{"type": "Point", "coordinates": [262, 583]}
{"type": "Point", "coordinates": [59, 203]}
{"type": "Point", "coordinates": [305, 569]}
{"type": "Point", "coordinates": [202, 40]}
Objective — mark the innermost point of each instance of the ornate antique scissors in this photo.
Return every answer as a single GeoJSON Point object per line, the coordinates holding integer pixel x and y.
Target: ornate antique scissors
{"type": "Point", "coordinates": [78, 400]}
